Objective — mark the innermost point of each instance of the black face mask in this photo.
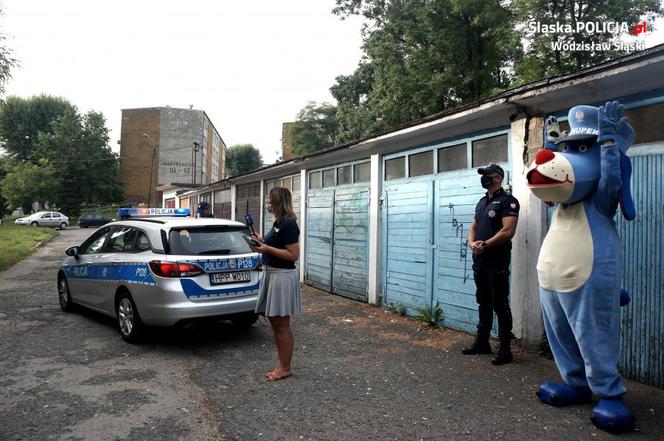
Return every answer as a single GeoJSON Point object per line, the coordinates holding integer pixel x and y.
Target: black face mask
{"type": "Point", "coordinates": [486, 181]}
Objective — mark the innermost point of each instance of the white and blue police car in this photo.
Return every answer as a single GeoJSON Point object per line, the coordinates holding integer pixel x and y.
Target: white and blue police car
{"type": "Point", "coordinates": [152, 270]}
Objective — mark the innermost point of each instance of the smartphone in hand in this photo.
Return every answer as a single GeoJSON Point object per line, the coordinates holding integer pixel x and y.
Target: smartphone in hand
{"type": "Point", "coordinates": [251, 241]}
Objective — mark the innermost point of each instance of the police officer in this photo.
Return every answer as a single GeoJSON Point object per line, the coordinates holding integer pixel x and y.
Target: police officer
{"type": "Point", "coordinates": [203, 210]}
{"type": "Point", "coordinates": [489, 237]}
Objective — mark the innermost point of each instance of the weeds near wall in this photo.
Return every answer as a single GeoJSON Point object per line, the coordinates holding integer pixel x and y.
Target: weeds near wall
{"type": "Point", "coordinates": [397, 308]}
{"type": "Point", "coordinates": [431, 315]}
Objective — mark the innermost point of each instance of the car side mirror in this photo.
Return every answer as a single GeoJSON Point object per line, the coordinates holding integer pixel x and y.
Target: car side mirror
{"type": "Point", "coordinates": [72, 251]}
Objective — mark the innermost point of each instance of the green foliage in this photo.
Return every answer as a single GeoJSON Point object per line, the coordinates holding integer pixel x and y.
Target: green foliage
{"type": "Point", "coordinates": [18, 242]}
{"type": "Point", "coordinates": [45, 131]}
{"type": "Point", "coordinates": [26, 183]}
{"type": "Point", "coordinates": [314, 129]}
{"type": "Point", "coordinates": [421, 58]}
{"type": "Point", "coordinates": [3, 172]}
{"type": "Point", "coordinates": [397, 308]}
{"type": "Point", "coordinates": [541, 60]}
{"type": "Point", "coordinates": [242, 158]}
{"type": "Point", "coordinates": [7, 62]}
{"type": "Point", "coordinates": [543, 347]}
{"type": "Point", "coordinates": [22, 120]}
{"type": "Point", "coordinates": [431, 315]}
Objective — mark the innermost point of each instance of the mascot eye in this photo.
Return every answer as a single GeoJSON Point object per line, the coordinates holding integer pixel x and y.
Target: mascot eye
{"type": "Point", "coordinates": [583, 148]}
{"type": "Point", "coordinates": [563, 148]}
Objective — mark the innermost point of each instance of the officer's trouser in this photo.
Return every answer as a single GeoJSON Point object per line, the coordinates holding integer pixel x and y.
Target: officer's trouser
{"type": "Point", "coordinates": [493, 288]}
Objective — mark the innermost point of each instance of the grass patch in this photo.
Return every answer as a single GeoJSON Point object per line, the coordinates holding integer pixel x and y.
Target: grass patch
{"type": "Point", "coordinates": [18, 241]}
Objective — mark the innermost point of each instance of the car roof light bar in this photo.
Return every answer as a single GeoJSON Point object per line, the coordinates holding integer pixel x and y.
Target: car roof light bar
{"type": "Point", "coordinates": [126, 213]}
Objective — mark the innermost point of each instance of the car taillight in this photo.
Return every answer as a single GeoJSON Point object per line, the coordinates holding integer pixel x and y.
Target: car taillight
{"type": "Point", "coordinates": [175, 269]}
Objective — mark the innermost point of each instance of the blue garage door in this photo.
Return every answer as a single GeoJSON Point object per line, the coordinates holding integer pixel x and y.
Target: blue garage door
{"type": "Point", "coordinates": [457, 194]}
{"type": "Point", "coordinates": [407, 244]}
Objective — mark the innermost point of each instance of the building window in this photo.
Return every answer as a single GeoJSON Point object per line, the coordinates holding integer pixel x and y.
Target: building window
{"type": "Point", "coordinates": [362, 172]}
{"type": "Point", "coordinates": [395, 168]}
{"type": "Point", "coordinates": [287, 183]}
{"type": "Point", "coordinates": [420, 164]}
{"type": "Point", "coordinates": [490, 150]}
{"type": "Point", "coordinates": [328, 177]}
{"type": "Point", "coordinates": [344, 175]}
{"type": "Point", "coordinates": [314, 180]}
{"type": "Point", "coordinates": [452, 158]}
{"type": "Point", "coordinates": [296, 184]}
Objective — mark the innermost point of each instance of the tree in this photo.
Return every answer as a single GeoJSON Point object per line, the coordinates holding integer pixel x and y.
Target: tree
{"type": "Point", "coordinates": [7, 62]}
{"type": "Point", "coordinates": [88, 168]}
{"type": "Point", "coordinates": [543, 60]}
{"type": "Point", "coordinates": [314, 129]}
{"type": "Point", "coordinates": [23, 120]}
{"type": "Point", "coordinates": [355, 120]}
{"type": "Point", "coordinates": [421, 58]}
{"type": "Point", "coordinates": [242, 158]}
{"type": "Point", "coordinates": [3, 172]}
{"type": "Point", "coordinates": [26, 183]}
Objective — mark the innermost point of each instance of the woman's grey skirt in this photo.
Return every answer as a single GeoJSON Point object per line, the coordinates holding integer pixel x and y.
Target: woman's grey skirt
{"type": "Point", "coordinates": [279, 293]}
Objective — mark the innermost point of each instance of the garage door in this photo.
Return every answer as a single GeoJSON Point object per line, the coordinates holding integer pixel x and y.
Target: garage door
{"type": "Point", "coordinates": [337, 230]}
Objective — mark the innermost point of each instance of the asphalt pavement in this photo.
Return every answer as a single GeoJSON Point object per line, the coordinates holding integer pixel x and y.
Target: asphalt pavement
{"type": "Point", "coordinates": [361, 373]}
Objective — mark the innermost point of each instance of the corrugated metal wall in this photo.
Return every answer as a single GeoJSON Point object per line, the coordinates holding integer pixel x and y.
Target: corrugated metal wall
{"type": "Point", "coordinates": [642, 330]}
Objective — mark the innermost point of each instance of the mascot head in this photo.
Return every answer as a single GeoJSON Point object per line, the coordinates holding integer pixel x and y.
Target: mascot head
{"type": "Point", "coordinates": [567, 169]}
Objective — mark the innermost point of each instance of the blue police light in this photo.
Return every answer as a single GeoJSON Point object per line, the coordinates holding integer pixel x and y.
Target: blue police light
{"type": "Point", "coordinates": [125, 213]}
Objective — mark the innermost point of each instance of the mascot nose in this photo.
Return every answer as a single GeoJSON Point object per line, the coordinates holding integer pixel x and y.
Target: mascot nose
{"type": "Point", "coordinates": [543, 156]}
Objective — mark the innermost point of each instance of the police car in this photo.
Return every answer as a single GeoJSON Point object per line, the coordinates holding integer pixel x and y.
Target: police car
{"type": "Point", "coordinates": [153, 270]}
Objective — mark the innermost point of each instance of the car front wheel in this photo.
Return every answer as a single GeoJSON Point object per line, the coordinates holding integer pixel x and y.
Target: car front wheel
{"type": "Point", "coordinates": [129, 323]}
{"type": "Point", "coordinates": [63, 226]}
{"type": "Point", "coordinates": [34, 224]}
{"type": "Point", "coordinates": [64, 295]}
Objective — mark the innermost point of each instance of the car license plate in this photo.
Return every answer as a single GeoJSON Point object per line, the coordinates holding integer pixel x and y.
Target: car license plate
{"type": "Point", "coordinates": [235, 277]}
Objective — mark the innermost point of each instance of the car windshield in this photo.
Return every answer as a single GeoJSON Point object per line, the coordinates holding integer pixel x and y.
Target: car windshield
{"type": "Point", "coordinates": [212, 240]}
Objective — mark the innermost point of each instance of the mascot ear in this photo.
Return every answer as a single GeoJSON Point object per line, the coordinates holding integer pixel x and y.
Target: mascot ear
{"type": "Point", "coordinates": [625, 192]}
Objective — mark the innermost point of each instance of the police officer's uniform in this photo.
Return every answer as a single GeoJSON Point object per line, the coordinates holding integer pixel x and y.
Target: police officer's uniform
{"type": "Point", "coordinates": [491, 269]}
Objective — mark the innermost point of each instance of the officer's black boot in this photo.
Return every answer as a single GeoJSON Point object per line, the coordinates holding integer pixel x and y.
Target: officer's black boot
{"type": "Point", "coordinates": [504, 354]}
{"type": "Point", "coordinates": [480, 346]}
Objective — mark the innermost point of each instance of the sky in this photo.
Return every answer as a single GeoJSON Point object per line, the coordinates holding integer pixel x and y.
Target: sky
{"type": "Point", "coordinates": [251, 65]}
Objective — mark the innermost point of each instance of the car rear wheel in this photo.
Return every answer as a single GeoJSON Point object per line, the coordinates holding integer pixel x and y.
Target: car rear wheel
{"type": "Point", "coordinates": [34, 224]}
{"type": "Point", "coordinates": [129, 323]}
{"type": "Point", "coordinates": [244, 320]}
{"type": "Point", "coordinates": [63, 226]}
{"type": "Point", "coordinates": [64, 296]}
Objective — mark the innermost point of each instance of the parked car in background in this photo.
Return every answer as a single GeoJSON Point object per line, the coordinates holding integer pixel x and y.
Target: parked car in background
{"type": "Point", "coordinates": [92, 220]}
{"type": "Point", "coordinates": [44, 219]}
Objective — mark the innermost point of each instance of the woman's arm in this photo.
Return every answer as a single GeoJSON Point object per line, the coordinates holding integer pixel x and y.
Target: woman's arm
{"type": "Point", "coordinates": [290, 253]}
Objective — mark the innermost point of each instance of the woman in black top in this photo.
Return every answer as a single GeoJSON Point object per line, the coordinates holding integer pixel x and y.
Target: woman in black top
{"type": "Point", "coordinates": [279, 292]}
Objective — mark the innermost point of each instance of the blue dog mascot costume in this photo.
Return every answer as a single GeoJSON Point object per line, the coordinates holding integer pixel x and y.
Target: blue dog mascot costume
{"type": "Point", "coordinates": [580, 264]}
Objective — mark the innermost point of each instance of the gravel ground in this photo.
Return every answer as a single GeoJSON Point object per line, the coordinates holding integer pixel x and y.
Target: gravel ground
{"type": "Point", "coordinates": [360, 373]}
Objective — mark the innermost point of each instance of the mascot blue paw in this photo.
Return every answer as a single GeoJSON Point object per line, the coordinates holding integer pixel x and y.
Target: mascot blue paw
{"type": "Point", "coordinates": [612, 415]}
{"type": "Point", "coordinates": [560, 395]}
